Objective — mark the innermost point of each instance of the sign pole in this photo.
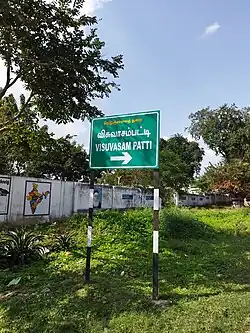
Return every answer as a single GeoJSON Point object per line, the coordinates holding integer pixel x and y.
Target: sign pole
{"type": "Point", "coordinates": [156, 235]}
{"type": "Point", "coordinates": [127, 141]}
{"type": "Point", "coordinates": [90, 224]}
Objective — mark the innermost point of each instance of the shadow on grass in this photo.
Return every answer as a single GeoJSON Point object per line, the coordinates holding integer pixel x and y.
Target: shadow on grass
{"type": "Point", "coordinates": [62, 303]}
{"type": "Point", "coordinates": [196, 261]}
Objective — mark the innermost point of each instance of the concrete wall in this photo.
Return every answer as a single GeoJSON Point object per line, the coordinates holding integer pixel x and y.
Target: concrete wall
{"type": "Point", "coordinates": [194, 200]}
{"type": "Point", "coordinates": [23, 198]}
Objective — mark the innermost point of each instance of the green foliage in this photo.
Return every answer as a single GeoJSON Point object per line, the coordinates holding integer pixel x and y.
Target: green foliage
{"type": "Point", "coordinates": [63, 242]}
{"type": "Point", "coordinates": [204, 281]}
{"type": "Point", "coordinates": [172, 171]}
{"type": "Point", "coordinates": [241, 228]}
{"type": "Point", "coordinates": [17, 142]}
{"type": "Point", "coordinates": [225, 130]}
{"type": "Point", "coordinates": [30, 150]}
{"type": "Point", "coordinates": [189, 153]}
{"type": "Point", "coordinates": [128, 225]}
{"type": "Point", "coordinates": [180, 160]}
{"type": "Point", "coordinates": [132, 178]}
{"type": "Point", "coordinates": [55, 51]}
{"type": "Point", "coordinates": [61, 159]}
{"type": "Point", "coordinates": [227, 177]}
{"type": "Point", "coordinates": [20, 247]}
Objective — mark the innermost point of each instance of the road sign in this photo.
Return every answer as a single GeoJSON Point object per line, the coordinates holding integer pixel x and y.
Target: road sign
{"type": "Point", "coordinates": [127, 141]}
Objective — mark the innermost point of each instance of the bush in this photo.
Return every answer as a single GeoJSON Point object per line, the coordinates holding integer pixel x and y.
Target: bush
{"type": "Point", "coordinates": [64, 242]}
{"type": "Point", "coordinates": [241, 228]}
{"type": "Point", "coordinates": [179, 224]}
{"type": "Point", "coordinates": [20, 247]}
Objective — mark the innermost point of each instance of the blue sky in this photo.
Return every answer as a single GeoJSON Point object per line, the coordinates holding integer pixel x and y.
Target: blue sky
{"type": "Point", "coordinates": [179, 56]}
{"type": "Point", "coordinates": [169, 65]}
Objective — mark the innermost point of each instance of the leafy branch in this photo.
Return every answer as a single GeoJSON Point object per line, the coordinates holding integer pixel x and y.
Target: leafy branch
{"type": "Point", "coordinates": [52, 54]}
{"type": "Point", "coordinates": [15, 118]}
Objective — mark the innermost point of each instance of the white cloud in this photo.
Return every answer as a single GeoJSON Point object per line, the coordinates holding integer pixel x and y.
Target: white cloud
{"type": "Point", "coordinates": [91, 6]}
{"type": "Point", "coordinates": [211, 29]}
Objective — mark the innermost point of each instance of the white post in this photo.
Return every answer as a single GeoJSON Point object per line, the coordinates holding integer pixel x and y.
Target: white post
{"type": "Point", "coordinates": [176, 197]}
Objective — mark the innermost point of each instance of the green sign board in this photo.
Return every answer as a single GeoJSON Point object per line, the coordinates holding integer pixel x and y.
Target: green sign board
{"type": "Point", "coordinates": [127, 141]}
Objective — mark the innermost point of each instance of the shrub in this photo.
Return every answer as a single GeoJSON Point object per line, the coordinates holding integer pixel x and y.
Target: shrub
{"type": "Point", "coordinates": [64, 242]}
{"type": "Point", "coordinates": [241, 228]}
{"type": "Point", "coordinates": [20, 247]}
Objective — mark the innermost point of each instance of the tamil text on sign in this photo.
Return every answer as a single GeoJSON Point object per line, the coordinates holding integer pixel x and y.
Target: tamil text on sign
{"type": "Point", "coordinates": [125, 141]}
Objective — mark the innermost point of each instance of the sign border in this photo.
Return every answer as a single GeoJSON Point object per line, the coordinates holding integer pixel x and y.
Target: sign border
{"type": "Point", "coordinates": [156, 166]}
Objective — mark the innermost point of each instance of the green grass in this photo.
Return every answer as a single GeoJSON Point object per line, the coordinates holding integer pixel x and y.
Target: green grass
{"type": "Point", "coordinates": [204, 276]}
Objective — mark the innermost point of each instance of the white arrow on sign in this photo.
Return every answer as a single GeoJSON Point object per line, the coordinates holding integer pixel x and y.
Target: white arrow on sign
{"type": "Point", "coordinates": [126, 158]}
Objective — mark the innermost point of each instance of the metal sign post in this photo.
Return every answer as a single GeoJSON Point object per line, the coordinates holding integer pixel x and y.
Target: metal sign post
{"type": "Point", "coordinates": [156, 235]}
{"type": "Point", "coordinates": [90, 225]}
{"type": "Point", "coordinates": [127, 141]}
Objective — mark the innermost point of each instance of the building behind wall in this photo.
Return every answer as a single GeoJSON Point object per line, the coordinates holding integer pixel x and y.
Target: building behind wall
{"type": "Point", "coordinates": [198, 200]}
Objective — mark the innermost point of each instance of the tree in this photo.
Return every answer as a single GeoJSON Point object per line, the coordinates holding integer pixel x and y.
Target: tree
{"type": "Point", "coordinates": [18, 141]}
{"type": "Point", "coordinates": [6, 167]}
{"type": "Point", "coordinates": [132, 178]}
{"type": "Point", "coordinates": [41, 155]}
{"type": "Point", "coordinates": [230, 177]}
{"type": "Point", "coordinates": [173, 171]}
{"type": "Point", "coordinates": [45, 45]}
{"type": "Point", "coordinates": [188, 152]}
{"type": "Point", "coordinates": [225, 130]}
{"type": "Point", "coordinates": [61, 159]}
{"type": "Point", "coordinates": [26, 149]}
{"type": "Point", "coordinates": [180, 160]}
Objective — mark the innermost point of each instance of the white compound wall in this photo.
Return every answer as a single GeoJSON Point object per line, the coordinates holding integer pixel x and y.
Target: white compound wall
{"type": "Point", "coordinates": [23, 199]}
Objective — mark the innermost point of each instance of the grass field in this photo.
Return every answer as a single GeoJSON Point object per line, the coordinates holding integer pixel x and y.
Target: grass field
{"type": "Point", "coordinates": [204, 276]}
